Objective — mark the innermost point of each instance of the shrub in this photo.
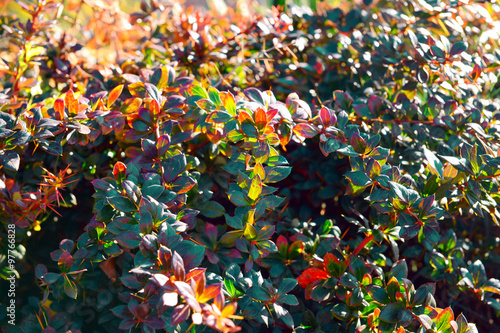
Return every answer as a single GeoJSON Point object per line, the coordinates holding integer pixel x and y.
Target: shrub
{"type": "Point", "coordinates": [334, 170]}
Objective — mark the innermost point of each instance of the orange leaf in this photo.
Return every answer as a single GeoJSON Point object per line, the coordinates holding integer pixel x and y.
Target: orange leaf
{"type": "Point", "coordinates": [260, 118]}
{"type": "Point", "coordinates": [114, 94]}
{"type": "Point", "coordinates": [195, 274]}
{"type": "Point", "coordinates": [131, 105]}
{"type": "Point", "coordinates": [209, 293]}
{"type": "Point", "coordinates": [70, 97]}
{"type": "Point", "coordinates": [305, 130]}
{"type": "Point", "coordinates": [154, 107]}
{"type": "Point", "coordinates": [59, 109]}
{"type": "Point", "coordinates": [73, 107]}
{"type": "Point", "coordinates": [245, 117]}
{"type": "Point", "coordinates": [228, 310]}
{"type": "Point", "coordinates": [119, 170]}
{"type": "Point", "coordinates": [109, 268]}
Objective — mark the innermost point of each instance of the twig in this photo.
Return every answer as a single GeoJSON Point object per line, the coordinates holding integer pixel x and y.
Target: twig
{"type": "Point", "coordinates": [254, 57]}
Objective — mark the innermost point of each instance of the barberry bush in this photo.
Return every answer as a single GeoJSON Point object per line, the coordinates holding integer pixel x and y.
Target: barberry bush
{"type": "Point", "coordinates": [290, 169]}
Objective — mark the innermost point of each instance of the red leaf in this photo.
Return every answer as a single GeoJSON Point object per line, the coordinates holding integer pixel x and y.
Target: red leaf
{"type": "Point", "coordinates": [305, 130]}
{"type": "Point", "coordinates": [271, 114]}
{"type": "Point", "coordinates": [119, 169]}
{"type": "Point", "coordinates": [311, 275]}
{"type": "Point", "coordinates": [183, 184]}
{"type": "Point", "coordinates": [327, 117]}
{"type": "Point", "coordinates": [476, 73]}
{"type": "Point", "coordinates": [282, 244]}
{"type": "Point", "coordinates": [65, 261]}
{"type": "Point", "coordinates": [295, 249]}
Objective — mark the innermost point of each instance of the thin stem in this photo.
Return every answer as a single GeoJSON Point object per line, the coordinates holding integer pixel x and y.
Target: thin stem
{"type": "Point", "coordinates": [365, 241]}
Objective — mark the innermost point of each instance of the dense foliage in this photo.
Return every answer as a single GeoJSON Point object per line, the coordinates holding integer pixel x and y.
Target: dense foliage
{"type": "Point", "coordinates": [171, 170]}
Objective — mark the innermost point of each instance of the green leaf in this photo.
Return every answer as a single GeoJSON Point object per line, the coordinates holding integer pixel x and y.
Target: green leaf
{"type": "Point", "coordinates": [431, 235]}
{"type": "Point", "coordinates": [357, 143]}
{"type": "Point", "coordinates": [154, 191]}
{"type": "Point", "coordinates": [434, 164]}
{"type": "Point", "coordinates": [277, 173]}
{"type": "Point", "coordinates": [237, 197]}
{"type": "Point", "coordinates": [250, 130]}
{"type": "Point", "coordinates": [122, 204]}
{"type": "Point", "coordinates": [458, 48]}
{"type": "Point", "coordinates": [405, 316]}
{"type": "Point", "coordinates": [51, 147]}
{"type": "Point", "coordinates": [358, 267]}
{"type": "Point", "coordinates": [287, 285]}
{"type": "Point", "coordinates": [403, 193]}
{"type": "Point", "coordinates": [50, 277]}
{"type": "Point", "coordinates": [218, 117]}
{"type": "Point", "coordinates": [321, 294]}
{"type": "Point", "coordinates": [266, 232]}
{"type": "Point", "coordinates": [283, 314]}
{"type": "Point", "coordinates": [70, 288]}
{"type": "Point", "coordinates": [288, 299]}
{"type": "Point", "coordinates": [227, 100]}
{"type": "Point", "coordinates": [392, 288]}
{"type": "Point", "coordinates": [359, 178]}
{"type": "Point", "coordinates": [341, 311]}
{"type": "Point", "coordinates": [258, 293]}
{"type": "Point", "coordinates": [211, 209]}
{"type": "Point", "coordinates": [378, 294]}
{"type": "Point", "coordinates": [213, 95]}
{"type": "Point", "coordinates": [390, 312]}
{"type": "Point", "coordinates": [399, 270]}
{"type": "Point", "coordinates": [196, 90]}
{"type": "Point", "coordinates": [128, 239]}
{"type": "Point", "coordinates": [234, 222]}
{"type": "Point", "coordinates": [132, 190]}
{"type": "Point", "coordinates": [10, 161]}
{"type": "Point", "coordinates": [444, 319]}
{"type": "Point", "coordinates": [230, 237]}
{"type": "Point", "coordinates": [348, 280]}
{"type": "Point", "coordinates": [229, 285]}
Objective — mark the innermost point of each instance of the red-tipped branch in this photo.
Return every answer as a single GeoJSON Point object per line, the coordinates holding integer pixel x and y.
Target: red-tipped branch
{"type": "Point", "coordinates": [365, 241]}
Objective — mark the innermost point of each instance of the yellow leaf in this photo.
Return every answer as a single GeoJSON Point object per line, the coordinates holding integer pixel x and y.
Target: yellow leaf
{"type": "Point", "coordinates": [259, 170]}
{"type": "Point", "coordinates": [255, 188]}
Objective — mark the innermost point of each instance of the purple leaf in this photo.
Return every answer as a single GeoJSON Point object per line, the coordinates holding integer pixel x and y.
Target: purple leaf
{"type": "Point", "coordinates": [188, 294]}
{"type": "Point", "coordinates": [180, 315]}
